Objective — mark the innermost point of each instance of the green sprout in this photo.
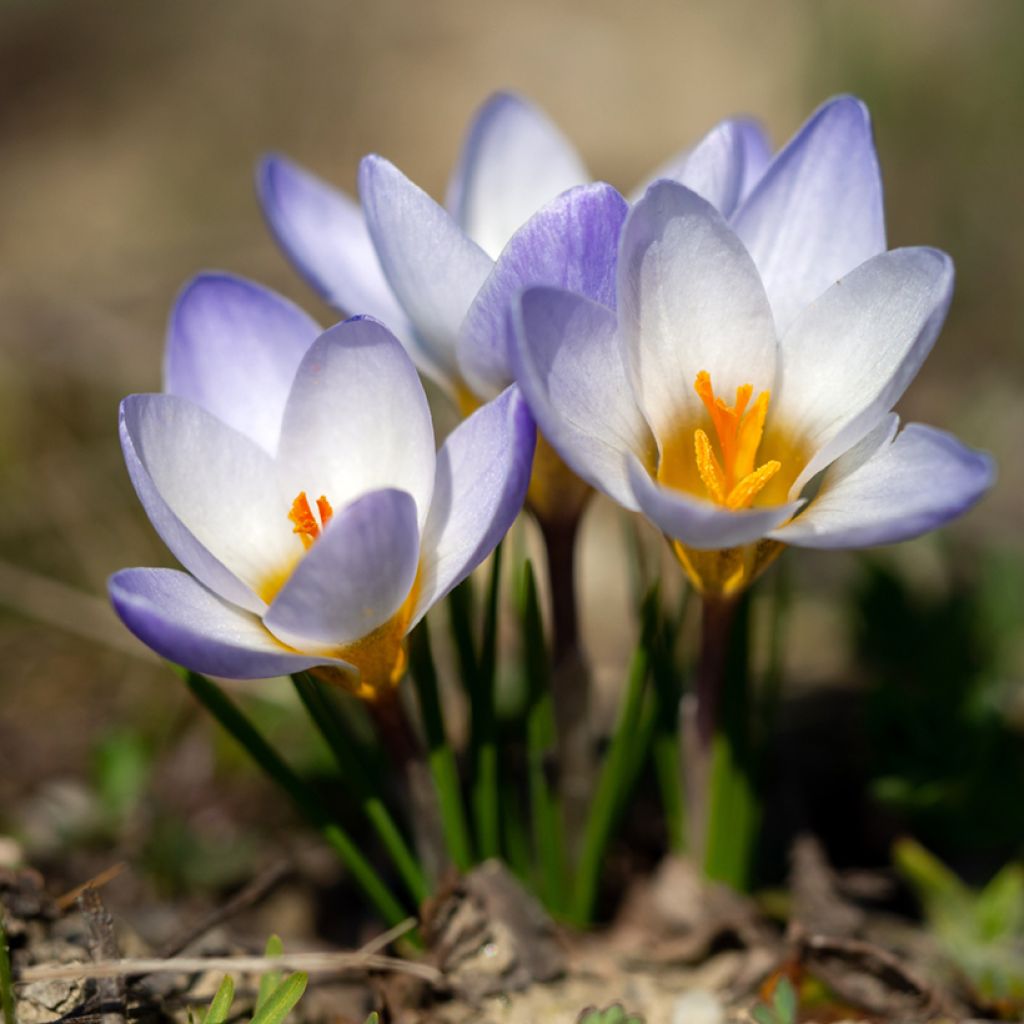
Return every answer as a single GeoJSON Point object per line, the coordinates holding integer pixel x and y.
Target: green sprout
{"type": "Point", "coordinates": [613, 1014]}
{"type": "Point", "coordinates": [275, 999]}
{"type": "Point", "coordinates": [783, 1006]}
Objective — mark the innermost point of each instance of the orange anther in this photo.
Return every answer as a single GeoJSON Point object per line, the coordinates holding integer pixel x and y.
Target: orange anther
{"type": "Point", "coordinates": [305, 523]}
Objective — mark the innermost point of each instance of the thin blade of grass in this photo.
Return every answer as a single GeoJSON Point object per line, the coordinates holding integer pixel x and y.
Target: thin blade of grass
{"type": "Point", "coordinates": [282, 1000]}
{"type": "Point", "coordinates": [271, 979]}
{"type": "Point", "coordinates": [220, 1005]}
{"type": "Point", "coordinates": [6, 979]}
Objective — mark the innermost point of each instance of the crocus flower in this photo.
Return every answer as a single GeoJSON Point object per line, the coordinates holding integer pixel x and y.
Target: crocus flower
{"type": "Point", "coordinates": [294, 475]}
{"type": "Point", "coordinates": [734, 427]}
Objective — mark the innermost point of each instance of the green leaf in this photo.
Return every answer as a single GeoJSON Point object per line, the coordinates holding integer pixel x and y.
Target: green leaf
{"type": "Point", "coordinates": [999, 910]}
{"type": "Point", "coordinates": [6, 980]}
{"type": "Point", "coordinates": [763, 1014]}
{"type": "Point", "coordinates": [282, 1000]}
{"type": "Point", "coordinates": [270, 980]}
{"type": "Point", "coordinates": [374, 1018]}
{"type": "Point", "coordinates": [785, 1001]}
{"type": "Point", "coordinates": [220, 1007]}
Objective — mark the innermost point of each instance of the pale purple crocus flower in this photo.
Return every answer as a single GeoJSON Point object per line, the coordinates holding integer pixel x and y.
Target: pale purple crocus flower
{"type": "Point", "coordinates": [294, 475]}
{"type": "Point", "coordinates": [418, 265]}
{"type": "Point", "coordinates": [702, 404]}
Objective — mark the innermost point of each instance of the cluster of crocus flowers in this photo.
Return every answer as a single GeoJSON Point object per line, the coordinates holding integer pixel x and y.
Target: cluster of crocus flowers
{"type": "Point", "coordinates": [294, 474]}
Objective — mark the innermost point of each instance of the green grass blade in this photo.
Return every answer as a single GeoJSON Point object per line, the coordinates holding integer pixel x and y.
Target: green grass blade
{"type": "Point", "coordinates": [6, 978]}
{"type": "Point", "coordinates": [484, 746]}
{"type": "Point", "coordinates": [613, 780]}
{"type": "Point", "coordinates": [220, 1006]}
{"type": "Point", "coordinates": [282, 1000]}
{"type": "Point", "coordinates": [541, 740]}
{"type": "Point", "coordinates": [440, 756]}
{"type": "Point", "coordinates": [270, 980]}
{"type": "Point", "coordinates": [242, 730]}
{"type": "Point", "coordinates": [323, 710]}
{"type": "Point", "coordinates": [461, 605]}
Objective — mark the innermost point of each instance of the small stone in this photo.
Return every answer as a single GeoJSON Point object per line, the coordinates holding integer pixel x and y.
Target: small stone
{"type": "Point", "coordinates": [698, 1007]}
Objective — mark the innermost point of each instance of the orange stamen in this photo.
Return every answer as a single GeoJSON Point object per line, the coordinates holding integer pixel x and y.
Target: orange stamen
{"type": "Point", "coordinates": [733, 481]}
{"type": "Point", "coordinates": [305, 523]}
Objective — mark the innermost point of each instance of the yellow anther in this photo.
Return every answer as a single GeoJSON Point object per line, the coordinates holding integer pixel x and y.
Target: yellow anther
{"type": "Point", "coordinates": [711, 472]}
{"type": "Point", "coordinates": [751, 485]}
{"type": "Point", "coordinates": [733, 481]}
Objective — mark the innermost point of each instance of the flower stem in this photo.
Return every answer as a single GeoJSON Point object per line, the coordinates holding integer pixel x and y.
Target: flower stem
{"type": "Point", "coordinates": [665, 745]}
{"type": "Point", "coordinates": [545, 807]}
{"type": "Point", "coordinates": [485, 781]}
{"type": "Point", "coordinates": [440, 756]}
{"type": "Point", "coordinates": [570, 675]}
{"type": "Point", "coordinates": [724, 811]}
{"type": "Point", "coordinates": [323, 710]}
{"type": "Point", "coordinates": [242, 730]}
{"type": "Point", "coordinates": [403, 745]}
{"type": "Point", "coordinates": [617, 774]}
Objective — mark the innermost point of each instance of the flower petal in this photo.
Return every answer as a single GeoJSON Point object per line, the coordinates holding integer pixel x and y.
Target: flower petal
{"type": "Point", "coordinates": [572, 243]}
{"type": "Point", "coordinates": [357, 420]}
{"type": "Point", "coordinates": [356, 575]}
{"type": "Point", "coordinates": [513, 161]}
{"type": "Point", "coordinates": [483, 471]}
{"type": "Point", "coordinates": [570, 365]}
{"type": "Point", "coordinates": [689, 300]}
{"type": "Point", "coordinates": [210, 493]}
{"type": "Point", "coordinates": [817, 212]}
{"type": "Point", "coordinates": [757, 153]}
{"type": "Point", "coordinates": [189, 625]}
{"type": "Point", "coordinates": [324, 234]}
{"type": "Point", "coordinates": [233, 348]}
{"type": "Point", "coordinates": [851, 354]}
{"type": "Point", "coordinates": [701, 524]}
{"type": "Point", "coordinates": [887, 489]}
{"type": "Point", "coordinates": [434, 269]}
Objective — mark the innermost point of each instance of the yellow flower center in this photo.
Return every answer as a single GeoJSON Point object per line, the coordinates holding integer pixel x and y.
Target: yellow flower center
{"type": "Point", "coordinates": [733, 480]}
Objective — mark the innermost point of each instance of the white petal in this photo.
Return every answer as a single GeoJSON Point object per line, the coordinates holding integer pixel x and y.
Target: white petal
{"type": "Point", "coordinates": [324, 233]}
{"type": "Point", "coordinates": [433, 267]}
{"type": "Point", "coordinates": [701, 524]}
{"type": "Point", "coordinates": [689, 300]}
{"type": "Point", "coordinates": [210, 493]}
{"type": "Point", "coordinates": [513, 161]}
{"type": "Point", "coordinates": [850, 355]}
{"type": "Point", "coordinates": [817, 212]}
{"type": "Point", "coordinates": [570, 365]}
{"type": "Point", "coordinates": [886, 490]}
{"type": "Point", "coordinates": [357, 420]}
{"type": "Point", "coordinates": [483, 471]}
{"type": "Point", "coordinates": [186, 623]}
{"type": "Point", "coordinates": [354, 578]}
{"type": "Point", "coordinates": [233, 348]}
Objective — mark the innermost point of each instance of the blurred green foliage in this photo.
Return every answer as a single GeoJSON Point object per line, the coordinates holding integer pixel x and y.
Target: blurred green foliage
{"type": "Point", "coordinates": [943, 751]}
{"type": "Point", "coordinates": [981, 931]}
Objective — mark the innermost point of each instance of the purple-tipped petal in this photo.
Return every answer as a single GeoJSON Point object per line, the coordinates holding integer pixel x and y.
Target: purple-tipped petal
{"type": "Point", "coordinates": [432, 266]}
{"type": "Point", "coordinates": [689, 299]}
{"type": "Point", "coordinates": [357, 420]}
{"type": "Point", "coordinates": [757, 153]}
{"type": "Point", "coordinates": [210, 493]}
{"type": "Point", "coordinates": [890, 489]}
{"type": "Point", "coordinates": [514, 160]}
{"type": "Point", "coordinates": [354, 578]}
{"type": "Point", "coordinates": [483, 471]}
{"type": "Point", "coordinates": [571, 368]}
{"type": "Point", "coordinates": [324, 234]}
{"type": "Point", "coordinates": [572, 243]}
{"type": "Point", "coordinates": [817, 212]}
{"type": "Point", "coordinates": [189, 625]}
{"type": "Point", "coordinates": [701, 524]}
{"type": "Point", "coordinates": [851, 354]}
{"type": "Point", "coordinates": [233, 348]}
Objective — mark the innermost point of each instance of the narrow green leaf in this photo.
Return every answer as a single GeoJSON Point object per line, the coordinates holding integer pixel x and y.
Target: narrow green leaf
{"type": "Point", "coordinates": [220, 1007]}
{"type": "Point", "coordinates": [6, 979]}
{"type": "Point", "coordinates": [270, 980]}
{"type": "Point", "coordinates": [785, 1001]}
{"type": "Point", "coordinates": [541, 740]}
{"type": "Point", "coordinates": [242, 730]}
{"type": "Point", "coordinates": [326, 716]}
{"type": "Point", "coordinates": [764, 1015]}
{"type": "Point", "coordinates": [282, 1000]}
{"type": "Point", "coordinates": [460, 619]}
{"type": "Point", "coordinates": [440, 756]}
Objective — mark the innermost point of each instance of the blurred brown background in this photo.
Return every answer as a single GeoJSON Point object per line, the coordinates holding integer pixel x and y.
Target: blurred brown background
{"type": "Point", "coordinates": [129, 131]}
